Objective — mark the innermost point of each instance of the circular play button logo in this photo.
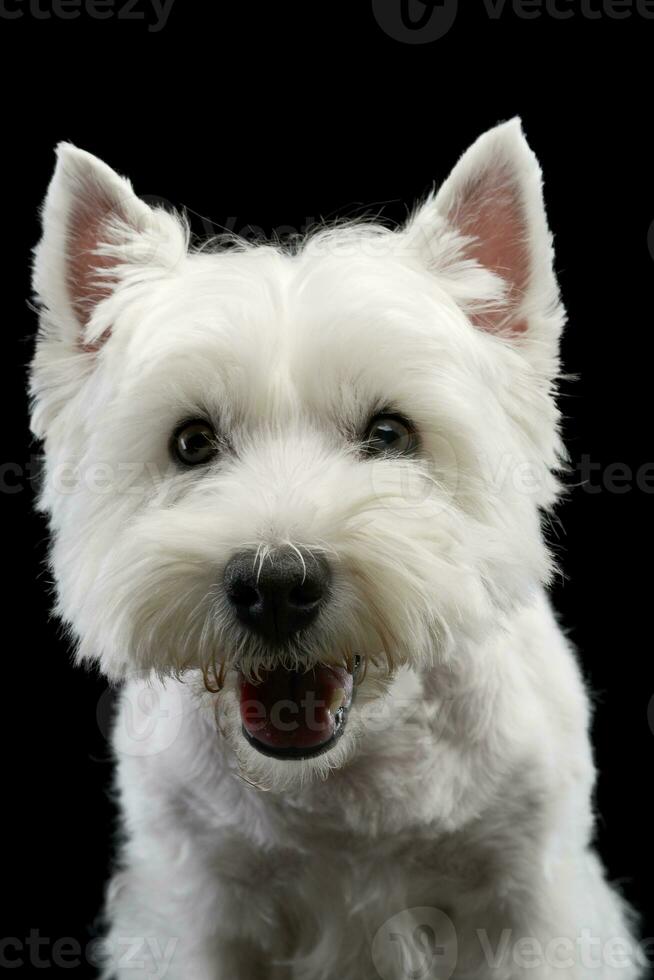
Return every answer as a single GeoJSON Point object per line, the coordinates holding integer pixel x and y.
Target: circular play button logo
{"type": "Point", "coordinates": [415, 21]}
{"type": "Point", "coordinates": [419, 943]}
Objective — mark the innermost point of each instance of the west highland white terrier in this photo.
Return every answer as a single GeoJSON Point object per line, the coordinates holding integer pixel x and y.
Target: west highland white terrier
{"type": "Point", "coordinates": [296, 494]}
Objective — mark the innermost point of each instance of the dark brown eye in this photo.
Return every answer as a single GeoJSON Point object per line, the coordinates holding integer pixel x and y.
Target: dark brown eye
{"type": "Point", "coordinates": [194, 443]}
{"type": "Point", "coordinates": [390, 434]}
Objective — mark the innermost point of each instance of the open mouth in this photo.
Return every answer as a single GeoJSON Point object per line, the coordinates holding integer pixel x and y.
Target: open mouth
{"type": "Point", "coordinates": [295, 714]}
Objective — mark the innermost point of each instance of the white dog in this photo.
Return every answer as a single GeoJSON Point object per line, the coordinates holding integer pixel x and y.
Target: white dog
{"type": "Point", "coordinates": [296, 497]}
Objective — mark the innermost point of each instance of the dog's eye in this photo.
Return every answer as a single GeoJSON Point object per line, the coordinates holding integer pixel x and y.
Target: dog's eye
{"type": "Point", "coordinates": [194, 443]}
{"type": "Point", "coordinates": [390, 434]}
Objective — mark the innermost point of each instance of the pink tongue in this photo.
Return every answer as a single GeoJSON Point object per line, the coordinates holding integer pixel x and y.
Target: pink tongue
{"type": "Point", "coordinates": [289, 709]}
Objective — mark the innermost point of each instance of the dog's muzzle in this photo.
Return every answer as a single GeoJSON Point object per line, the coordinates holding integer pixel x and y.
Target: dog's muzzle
{"type": "Point", "coordinates": [290, 714]}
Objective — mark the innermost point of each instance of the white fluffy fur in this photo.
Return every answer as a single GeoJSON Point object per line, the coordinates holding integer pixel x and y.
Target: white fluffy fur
{"type": "Point", "coordinates": [463, 781]}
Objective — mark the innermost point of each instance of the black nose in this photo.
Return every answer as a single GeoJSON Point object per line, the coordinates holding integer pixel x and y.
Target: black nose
{"type": "Point", "coordinates": [279, 596]}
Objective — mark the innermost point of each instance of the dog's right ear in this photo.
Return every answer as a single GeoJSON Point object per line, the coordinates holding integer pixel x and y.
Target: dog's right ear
{"type": "Point", "coordinates": [97, 234]}
{"type": "Point", "coordinates": [485, 233]}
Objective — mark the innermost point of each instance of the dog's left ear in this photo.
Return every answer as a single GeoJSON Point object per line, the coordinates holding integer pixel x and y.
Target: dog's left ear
{"type": "Point", "coordinates": [97, 234]}
{"type": "Point", "coordinates": [102, 248]}
{"type": "Point", "coordinates": [485, 235]}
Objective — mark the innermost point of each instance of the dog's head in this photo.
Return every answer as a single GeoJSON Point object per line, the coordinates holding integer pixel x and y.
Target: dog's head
{"type": "Point", "coordinates": [300, 469]}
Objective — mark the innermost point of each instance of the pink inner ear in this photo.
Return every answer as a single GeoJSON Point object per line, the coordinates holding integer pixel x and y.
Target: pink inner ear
{"type": "Point", "coordinates": [90, 218]}
{"type": "Point", "coordinates": [491, 211]}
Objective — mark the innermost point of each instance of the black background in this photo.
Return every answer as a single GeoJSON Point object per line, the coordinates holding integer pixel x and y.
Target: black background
{"type": "Point", "coordinates": [275, 115]}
